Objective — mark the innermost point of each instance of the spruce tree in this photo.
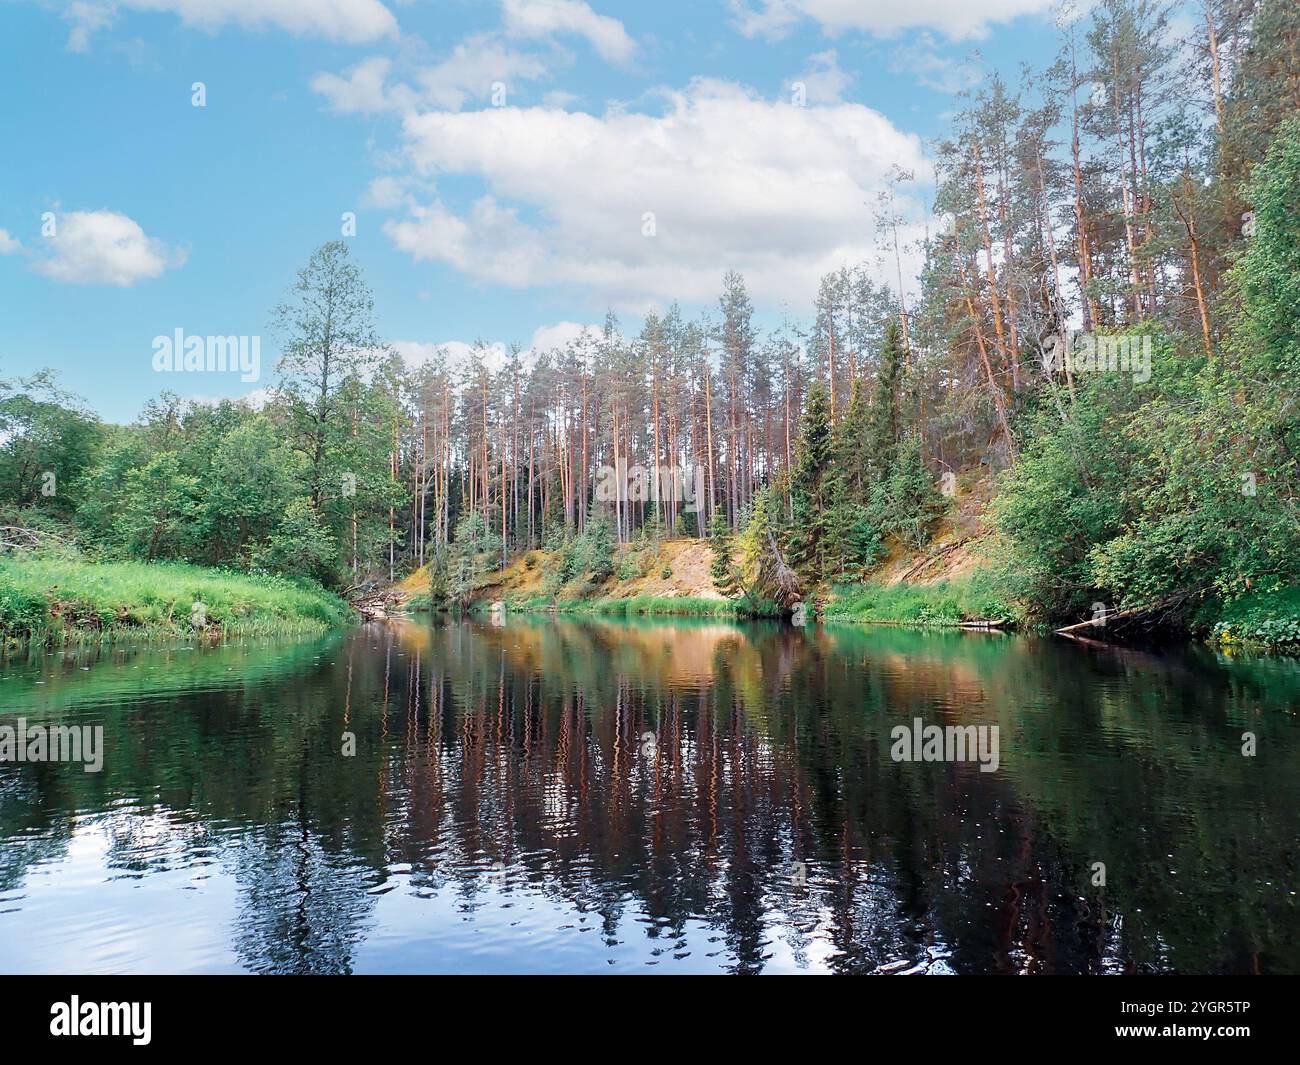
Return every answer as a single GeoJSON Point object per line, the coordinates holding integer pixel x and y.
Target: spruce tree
{"type": "Point", "coordinates": [809, 489]}
{"type": "Point", "coordinates": [883, 431]}
{"type": "Point", "coordinates": [723, 572]}
{"type": "Point", "coordinates": [853, 445]}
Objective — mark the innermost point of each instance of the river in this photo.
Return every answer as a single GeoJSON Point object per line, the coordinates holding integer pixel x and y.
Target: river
{"type": "Point", "coordinates": [637, 796]}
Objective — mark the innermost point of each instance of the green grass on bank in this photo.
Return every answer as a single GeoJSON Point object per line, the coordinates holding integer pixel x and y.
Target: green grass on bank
{"type": "Point", "coordinates": [949, 605]}
{"type": "Point", "coordinates": [946, 604]}
{"type": "Point", "coordinates": [645, 605]}
{"type": "Point", "coordinates": [56, 600]}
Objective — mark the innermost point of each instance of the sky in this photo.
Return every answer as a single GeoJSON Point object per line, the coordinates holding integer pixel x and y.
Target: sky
{"type": "Point", "coordinates": [503, 172]}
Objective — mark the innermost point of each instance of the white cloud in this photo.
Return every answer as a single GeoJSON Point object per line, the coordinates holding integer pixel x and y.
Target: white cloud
{"type": "Point", "coordinates": [456, 353]}
{"type": "Point", "coordinates": [955, 18]}
{"type": "Point", "coordinates": [86, 16]}
{"type": "Point", "coordinates": [559, 99]}
{"type": "Point", "coordinates": [472, 72]}
{"type": "Point", "coordinates": [565, 194]}
{"type": "Point", "coordinates": [545, 18]}
{"type": "Point", "coordinates": [361, 89]}
{"type": "Point", "coordinates": [475, 65]}
{"type": "Point", "coordinates": [350, 21]}
{"type": "Point", "coordinates": [824, 82]}
{"type": "Point", "coordinates": [386, 193]}
{"type": "Point", "coordinates": [9, 244]}
{"type": "Point", "coordinates": [416, 353]}
{"type": "Point", "coordinates": [103, 248]}
{"type": "Point", "coordinates": [924, 62]}
{"type": "Point", "coordinates": [559, 335]}
{"type": "Point", "coordinates": [484, 66]}
{"type": "Point", "coordinates": [490, 243]}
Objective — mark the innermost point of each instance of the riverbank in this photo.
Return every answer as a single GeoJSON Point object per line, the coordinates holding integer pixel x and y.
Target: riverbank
{"type": "Point", "coordinates": [676, 582]}
{"type": "Point", "coordinates": [60, 601]}
{"type": "Point", "coordinates": [640, 605]}
{"type": "Point", "coordinates": [947, 584]}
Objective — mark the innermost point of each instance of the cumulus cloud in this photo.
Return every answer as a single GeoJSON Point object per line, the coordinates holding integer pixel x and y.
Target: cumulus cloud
{"type": "Point", "coordinates": [473, 70]}
{"type": "Point", "coordinates": [546, 18]}
{"type": "Point", "coordinates": [9, 244]}
{"type": "Point", "coordinates": [957, 19]}
{"type": "Point", "coordinates": [362, 88]}
{"type": "Point", "coordinates": [103, 248]}
{"type": "Point", "coordinates": [350, 21]}
{"type": "Point", "coordinates": [568, 198]}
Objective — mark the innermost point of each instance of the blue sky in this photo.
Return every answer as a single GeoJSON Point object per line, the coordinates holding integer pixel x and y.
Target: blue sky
{"type": "Point", "coordinates": [506, 219]}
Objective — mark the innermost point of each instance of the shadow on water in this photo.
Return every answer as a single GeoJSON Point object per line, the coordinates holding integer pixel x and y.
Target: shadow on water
{"type": "Point", "coordinates": [691, 795]}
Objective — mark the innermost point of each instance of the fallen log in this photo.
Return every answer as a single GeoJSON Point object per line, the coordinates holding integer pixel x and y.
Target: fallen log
{"type": "Point", "coordinates": [1119, 615]}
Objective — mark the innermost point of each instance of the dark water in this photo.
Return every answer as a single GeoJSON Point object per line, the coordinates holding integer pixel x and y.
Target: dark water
{"type": "Point", "coordinates": [505, 811]}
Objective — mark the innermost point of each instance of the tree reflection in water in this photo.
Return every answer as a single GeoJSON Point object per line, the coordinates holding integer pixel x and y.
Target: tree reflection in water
{"type": "Point", "coordinates": [505, 798]}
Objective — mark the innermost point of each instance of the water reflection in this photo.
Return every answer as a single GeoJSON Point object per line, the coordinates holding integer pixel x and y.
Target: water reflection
{"type": "Point", "coordinates": [692, 796]}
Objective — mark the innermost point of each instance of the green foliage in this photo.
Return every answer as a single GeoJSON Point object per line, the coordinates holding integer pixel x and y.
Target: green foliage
{"type": "Point", "coordinates": [588, 556]}
{"type": "Point", "coordinates": [639, 556]}
{"type": "Point", "coordinates": [598, 550]}
{"type": "Point", "coordinates": [474, 551]}
{"type": "Point", "coordinates": [46, 445]}
{"type": "Point", "coordinates": [811, 489]}
{"type": "Point", "coordinates": [439, 581]}
{"type": "Point", "coordinates": [903, 504]}
{"type": "Point", "coordinates": [884, 428]}
{"type": "Point", "coordinates": [1267, 276]}
{"type": "Point", "coordinates": [300, 546]}
{"type": "Point", "coordinates": [1270, 618]}
{"type": "Point", "coordinates": [158, 509]}
{"type": "Point", "coordinates": [722, 570]}
{"type": "Point", "coordinates": [1168, 492]}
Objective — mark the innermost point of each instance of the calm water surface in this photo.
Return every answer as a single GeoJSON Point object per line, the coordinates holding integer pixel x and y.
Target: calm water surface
{"type": "Point", "coordinates": [505, 809]}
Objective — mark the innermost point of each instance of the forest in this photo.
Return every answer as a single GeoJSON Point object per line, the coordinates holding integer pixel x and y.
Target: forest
{"type": "Point", "coordinates": [1138, 193]}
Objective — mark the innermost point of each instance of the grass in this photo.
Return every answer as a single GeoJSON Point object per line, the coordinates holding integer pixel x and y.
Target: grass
{"type": "Point", "coordinates": [645, 605]}
{"type": "Point", "coordinates": [57, 600]}
{"type": "Point", "coordinates": [948, 604]}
